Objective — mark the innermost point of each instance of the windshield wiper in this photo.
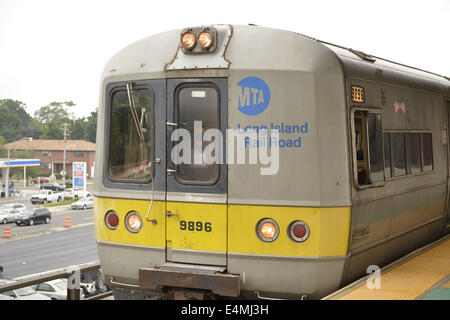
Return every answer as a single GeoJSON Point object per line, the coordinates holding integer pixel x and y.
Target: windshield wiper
{"type": "Point", "coordinates": [134, 112]}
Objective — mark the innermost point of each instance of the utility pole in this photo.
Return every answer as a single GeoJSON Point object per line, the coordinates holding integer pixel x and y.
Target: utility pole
{"type": "Point", "coordinates": [64, 161]}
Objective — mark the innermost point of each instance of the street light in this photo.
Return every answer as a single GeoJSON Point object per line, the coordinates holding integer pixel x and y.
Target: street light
{"type": "Point", "coordinates": [64, 164]}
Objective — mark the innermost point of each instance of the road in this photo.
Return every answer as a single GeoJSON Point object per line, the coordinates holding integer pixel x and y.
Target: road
{"type": "Point", "coordinates": [47, 252]}
{"type": "Point", "coordinates": [43, 247]}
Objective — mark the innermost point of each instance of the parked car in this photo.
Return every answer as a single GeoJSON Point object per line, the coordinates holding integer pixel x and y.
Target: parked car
{"type": "Point", "coordinates": [52, 186]}
{"type": "Point", "coordinates": [34, 215]}
{"type": "Point", "coordinates": [8, 215]}
{"type": "Point", "coordinates": [71, 193]}
{"type": "Point", "coordinates": [54, 289]}
{"type": "Point", "coordinates": [27, 293]}
{"type": "Point", "coordinates": [40, 180]}
{"type": "Point", "coordinates": [45, 196]}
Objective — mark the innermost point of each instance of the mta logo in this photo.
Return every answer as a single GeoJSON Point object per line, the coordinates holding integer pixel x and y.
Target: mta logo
{"type": "Point", "coordinates": [254, 97]}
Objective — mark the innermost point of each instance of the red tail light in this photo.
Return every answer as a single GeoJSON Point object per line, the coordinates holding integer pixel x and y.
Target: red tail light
{"type": "Point", "coordinates": [112, 220]}
{"type": "Point", "coordinates": [298, 231]}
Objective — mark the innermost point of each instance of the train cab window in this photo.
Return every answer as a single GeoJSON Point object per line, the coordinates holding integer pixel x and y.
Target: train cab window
{"type": "Point", "coordinates": [369, 147]}
{"type": "Point", "coordinates": [131, 134]}
{"type": "Point", "coordinates": [195, 104]}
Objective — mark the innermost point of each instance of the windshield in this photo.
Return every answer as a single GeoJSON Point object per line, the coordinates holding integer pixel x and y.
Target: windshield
{"type": "Point", "coordinates": [131, 134]}
{"type": "Point", "coordinates": [44, 191]}
{"type": "Point", "coordinates": [29, 211]}
{"type": "Point", "coordinates": [25, 291]}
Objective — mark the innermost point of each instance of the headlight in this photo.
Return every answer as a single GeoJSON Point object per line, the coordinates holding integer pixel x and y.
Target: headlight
{"type": "Point", "coordinates": [133, 222]}
{"type": "Point", "coordinates": [267, 230]}
{"type": "Point", "coordinates": [205, 39]}
{"type": "Point", "coordinates": [188, 40]}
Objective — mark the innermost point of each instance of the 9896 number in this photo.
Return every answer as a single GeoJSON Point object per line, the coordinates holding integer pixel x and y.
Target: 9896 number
{"type": "Point", "coordinates": [195, 226]}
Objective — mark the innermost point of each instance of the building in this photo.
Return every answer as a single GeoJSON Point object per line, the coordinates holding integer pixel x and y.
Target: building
{"type": "Point", "coordinates": [51, 154]}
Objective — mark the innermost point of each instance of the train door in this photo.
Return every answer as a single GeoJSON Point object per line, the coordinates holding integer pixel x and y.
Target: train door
{"type": "Point", "coordinates": [196, 208]}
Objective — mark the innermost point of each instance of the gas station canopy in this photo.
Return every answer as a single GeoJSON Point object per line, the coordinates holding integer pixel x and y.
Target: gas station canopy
{"type": "Point", "coordinates": [14, 163]}
{"type": "Point", "coordinates": [5, 164]}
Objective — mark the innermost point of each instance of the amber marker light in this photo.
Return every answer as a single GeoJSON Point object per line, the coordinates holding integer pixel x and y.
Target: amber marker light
{"type": "Point", "coordinates": [205, 39]}
{"type": "Point", "coordinates": [267, 230]}
{"type": "Point", "coordinates": [188, 40]}
{"type": "Point", "coordinates": [133, 222]}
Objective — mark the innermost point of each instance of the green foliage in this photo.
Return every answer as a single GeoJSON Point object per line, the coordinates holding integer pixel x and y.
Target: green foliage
{"type": "Point", "coordinates": [84, 128]}
{"type": "Point", "coordinates": [54, 111]}
{"type": "Point", "coordinates": [47, 123]}
{"type": "Point", "coordinates": [13, 119]}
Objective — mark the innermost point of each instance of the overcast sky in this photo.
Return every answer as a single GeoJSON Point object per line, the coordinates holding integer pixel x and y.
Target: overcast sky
{"type": "Point", "coordinates": [55, 50]}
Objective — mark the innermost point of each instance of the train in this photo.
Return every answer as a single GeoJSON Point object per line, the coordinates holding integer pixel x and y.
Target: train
{"type": "Point", "coordinates": [243, 162]}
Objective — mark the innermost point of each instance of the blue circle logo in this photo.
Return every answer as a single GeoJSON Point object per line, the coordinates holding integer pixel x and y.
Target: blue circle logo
{"type": "Point", "coordinates": [254, 97]}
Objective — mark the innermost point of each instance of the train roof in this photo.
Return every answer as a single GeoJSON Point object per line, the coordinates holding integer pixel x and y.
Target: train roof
{"type": "Point", "coordinates": [356, 64]}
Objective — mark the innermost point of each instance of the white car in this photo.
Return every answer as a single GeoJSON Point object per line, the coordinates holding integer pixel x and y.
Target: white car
{"type": "Point", "coordinates": [70, 194]}
{"type": "Point", "coordinates": [8, 215]}
{"type": "Point", "coordinates": [54, 289]}
{"type": "Point", "coordinates": [27, 293]}
{"type": "Point", "coordinates": [84, 203]}
{"type": "Point", "coordinates": [19, 206]}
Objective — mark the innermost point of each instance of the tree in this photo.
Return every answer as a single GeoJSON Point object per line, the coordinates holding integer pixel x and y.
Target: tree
{"type": "Point", "coordinates": [84, 128]}
{"type": "Point", "coordinates": [78, 129]}
{"type": "Point", "coordinates": [3, 151]}
{"type": "Point", "coordinates": [34, 130]}
{"type": "Point", "coordinates": [53, 117]}
{"type": "Point", "coordinates": [10, 124]}
{"type": "Point", "coordinates": [14, 118]}
{"type": "Point", "coordinates": [54, 111]}
{"type": "Point", "coordinates": [91, 127]}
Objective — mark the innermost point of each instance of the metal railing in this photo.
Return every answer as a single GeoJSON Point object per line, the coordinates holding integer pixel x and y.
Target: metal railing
{"type": "Point", "coordinates": [71, 273]}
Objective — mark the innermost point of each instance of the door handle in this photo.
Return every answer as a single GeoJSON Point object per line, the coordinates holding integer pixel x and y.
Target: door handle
{"type": "Point", "coordinates": [171, 171]}
{"type": "Point", "coordinates": [169, 214]}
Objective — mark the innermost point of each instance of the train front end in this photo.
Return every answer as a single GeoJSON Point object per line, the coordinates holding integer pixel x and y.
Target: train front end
{"type": "Point", "coordinates": [221, 166]}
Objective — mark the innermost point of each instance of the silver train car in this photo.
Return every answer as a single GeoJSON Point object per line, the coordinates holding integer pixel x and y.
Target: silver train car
{"type": "Point", "coordinates": [325, 161]}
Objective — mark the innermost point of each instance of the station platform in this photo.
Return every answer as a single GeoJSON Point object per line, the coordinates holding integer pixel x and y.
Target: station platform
{"type": "Point", "coordinates": [423, 274]}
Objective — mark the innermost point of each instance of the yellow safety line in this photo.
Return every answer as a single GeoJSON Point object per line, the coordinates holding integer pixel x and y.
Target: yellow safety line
{"type": "Point", "coordinates": [406, 278]}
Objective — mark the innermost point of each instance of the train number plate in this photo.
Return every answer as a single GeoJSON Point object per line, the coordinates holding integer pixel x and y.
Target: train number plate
{"type": "Point", "coordinates": [195, 226]}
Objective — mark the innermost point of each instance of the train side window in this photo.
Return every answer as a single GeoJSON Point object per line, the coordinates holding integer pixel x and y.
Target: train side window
{"type": "Point", "coordinates": [398, 152]}
{"type": "Point", "coordinates": [375, 147]}
{"type": "Point", "coordinates": [427, 151]}
{"type": "Point", "coordinates": [415, 154]}
{"type": "Point", "coordinates": [387, 155]}
{"type": "Point", "coordinates": [369, 147]}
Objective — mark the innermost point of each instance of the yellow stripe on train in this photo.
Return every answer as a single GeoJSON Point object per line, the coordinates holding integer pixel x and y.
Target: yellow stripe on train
{"type": "Point", "coordinates": [222, 228]}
